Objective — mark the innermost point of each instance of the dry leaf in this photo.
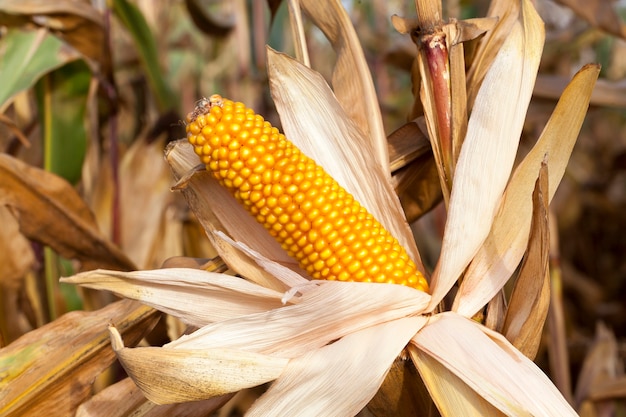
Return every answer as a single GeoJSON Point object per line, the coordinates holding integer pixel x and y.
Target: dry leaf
{"type": "Point", "coordinates": [530, 299]}
{"type": "Point", "coordinates": [352, 81]}
{"type": "Point", "coordinates": [54, 366]}
{"type": "Point", "coordinates": [107, 403]}
{"type": "Point", "coordinates": [17, 254]}
{"type": "Point", "coordinates": [488, 151]}
{"type": "Point", "coordinates": [503, 249]}
{"type": "Point", "coordinates": [50, 211]}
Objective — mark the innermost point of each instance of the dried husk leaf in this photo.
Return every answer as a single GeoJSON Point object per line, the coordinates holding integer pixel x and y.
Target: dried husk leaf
{"type": "Point", "coordinates": [107, 403]}
{"type": "Point", "coordinates": [315, 122]}
{"type": "Point", "coordinates": [217, 210]}
{"type": "Point", "coordinates": [489, 365]}
{"type": "Point", "coordinates": [501, 252]}
{"type": "Point", "coordinates": [185, 293]}
{"type": "Point", "coordinates": [507, 12]}
{"type": "Point", "coordinates": [448, 391]}
{"type": "Point", "coordinates": [50, 211]}
{"type": "Point", "coordinates": [352, 81]}
{"type": "Point", "coordinates": [323, 314]}
{"type": "Point", "coordinates": [174, 375]}
{"type": "Point", "coordinates": [530, 298]}
{"type": "Point", "coordinates": [341, 378]}
{"type": "Point", "coordinates": [53, 367]}
{"type": "Point", "coordinates": [489, 149]}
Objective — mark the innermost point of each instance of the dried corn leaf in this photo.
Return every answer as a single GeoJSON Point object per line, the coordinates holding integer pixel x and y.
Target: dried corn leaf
{"type": "Point", "coordinates": [352, 81]}
{"type": "Point", "coordinates": [502, 250]}
{"type": "Point", "coordinates": [107, 403]}
{"type": "Point", "coordinates": [50, 211]}
{"type": "Point", "coordinates": [449, 391]}
{"type": "Point", "coordinates": [530, 299]}
{"type": "Point", "coordinates": [185, 293]}
{"type": "Point", "coordinates": [315, 122]}
{"type": "Point", "coordinates": [53, 367]}
{"type": "Point", "coordinates": [489, 365]}
{"type": "Point", "coordinates": [17, 253]}
{"type": "Point", "coordinates": [489, 149]}
{"type": "Point", "coordinates": [176, 375]}
{"type": "Point", "coordinates": [322, 381]}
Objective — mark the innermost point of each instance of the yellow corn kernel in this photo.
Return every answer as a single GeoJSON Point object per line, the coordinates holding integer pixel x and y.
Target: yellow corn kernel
{"type": "Point", "coordinates": [314, 219]}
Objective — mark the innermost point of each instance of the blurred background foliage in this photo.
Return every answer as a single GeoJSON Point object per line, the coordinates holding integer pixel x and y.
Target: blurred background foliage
{"type": "Point", "coordinates": [91, 93]}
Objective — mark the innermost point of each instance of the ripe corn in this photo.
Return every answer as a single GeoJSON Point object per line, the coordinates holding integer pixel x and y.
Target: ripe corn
{"type": "Point", "coordinates": [314, 219]}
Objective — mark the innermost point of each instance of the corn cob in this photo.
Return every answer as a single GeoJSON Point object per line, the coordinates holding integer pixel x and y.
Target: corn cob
{"type": "Point", "coordinates": [314, 219]}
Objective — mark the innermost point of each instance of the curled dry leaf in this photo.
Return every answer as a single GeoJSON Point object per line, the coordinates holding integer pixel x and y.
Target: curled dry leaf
{"type": "Point", "coordinates": [50, 211]}
{"type": "Point", "coordinates": [530, 298]}
{"type": "Point", "coordinates": [64, 357]}
{"type": "Point", "coordinates": [199, 374]}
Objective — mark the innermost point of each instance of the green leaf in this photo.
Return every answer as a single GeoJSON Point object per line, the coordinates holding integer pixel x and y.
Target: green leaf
{"type": "Point", "coordinates": [62, 97]}
{"type": "Point", "coordinates": [132, 19]}
{"type": "Point", "coordinates": [25, 56]}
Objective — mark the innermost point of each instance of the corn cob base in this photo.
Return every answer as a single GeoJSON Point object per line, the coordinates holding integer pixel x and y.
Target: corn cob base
{"type": "Point", "coordinates": [314, 219]}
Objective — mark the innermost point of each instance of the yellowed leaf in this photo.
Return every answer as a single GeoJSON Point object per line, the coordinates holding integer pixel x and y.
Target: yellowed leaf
{"type": "Point", "coordinates": [54, 366]}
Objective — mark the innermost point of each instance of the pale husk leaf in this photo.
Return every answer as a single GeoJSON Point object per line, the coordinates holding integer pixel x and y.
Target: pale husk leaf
{"type": "Point", "coordinates": [352, 81]}
{"type": "Point", "coordinates": [185, 293]}
{"type": "Point", "coordinates": [218, 211]}
{"type": "Point", "coordinates": [488, 152]}
{"type": "Point", "coordinates": [447, 390]}
{"type": "Point", "coordinates": [498, 258]}
{"type": "Point", "coordinates": [107, 403]}
{"type": "Point", "coordinates": [322, 314]}
{"type": "Point", "coordinates": [338, 379]}
{"type": "Point", "coordinates": [530, 298]}
{"type": "Point", "coordinates": [490, 366]}
{"type": "Point", "coordinates": [317, 124]}
{"type": "Point", "coordinates": [175, 375]}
